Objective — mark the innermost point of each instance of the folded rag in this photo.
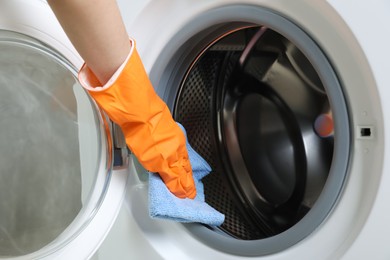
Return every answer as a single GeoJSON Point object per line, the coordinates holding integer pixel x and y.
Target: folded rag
{"type": "Point", "coordinates": [163, 204]}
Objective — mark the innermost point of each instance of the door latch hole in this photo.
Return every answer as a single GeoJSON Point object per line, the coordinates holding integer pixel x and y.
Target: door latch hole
{"type": "Point", "coordinates": [365, 132]}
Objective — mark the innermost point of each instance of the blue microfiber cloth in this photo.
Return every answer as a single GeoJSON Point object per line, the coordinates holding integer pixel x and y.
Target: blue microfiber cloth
{"type": "Point", "coordinates": [163, 204]}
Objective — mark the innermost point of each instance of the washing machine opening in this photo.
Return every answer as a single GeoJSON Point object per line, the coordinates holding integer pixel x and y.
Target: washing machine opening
{"type": "Point", "coordinates": [52, 148]}
{"type": "Point", "coordinates": [262, 104]}
{"type": "Point", "coordinates": [257, 101]}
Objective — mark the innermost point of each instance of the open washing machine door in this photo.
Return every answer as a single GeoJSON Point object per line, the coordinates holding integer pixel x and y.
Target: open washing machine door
{"type": "Point", "coordinates": [286, 100]}
{"type": "Point", "coordinates": [63, 171]}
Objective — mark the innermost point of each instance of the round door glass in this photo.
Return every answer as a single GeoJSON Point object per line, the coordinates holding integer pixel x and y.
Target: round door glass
{"type": "Point", "coordinates": [51, 148]}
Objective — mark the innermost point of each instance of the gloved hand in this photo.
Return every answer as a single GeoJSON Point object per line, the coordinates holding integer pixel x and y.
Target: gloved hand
{"type": "Point", "coordinates": [152, 135]}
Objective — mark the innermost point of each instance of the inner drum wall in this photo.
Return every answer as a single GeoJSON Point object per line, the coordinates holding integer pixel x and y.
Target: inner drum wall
{"type": "Point", "coordinates": [193, 111]}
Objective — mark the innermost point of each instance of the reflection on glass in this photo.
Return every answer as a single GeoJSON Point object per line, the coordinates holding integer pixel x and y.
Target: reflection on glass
{"type": "Point", "coordinates": [48, 147]}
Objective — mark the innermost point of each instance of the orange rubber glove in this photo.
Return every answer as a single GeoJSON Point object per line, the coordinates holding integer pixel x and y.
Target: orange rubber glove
{"type": "Point", "coordinates": [152, 135]}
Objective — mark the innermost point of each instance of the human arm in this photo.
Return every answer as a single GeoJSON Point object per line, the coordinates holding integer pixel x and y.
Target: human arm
{"type": "Point", "coordinates": [96, 30]}
{"type": "Point", "coordinates": [115, 77]}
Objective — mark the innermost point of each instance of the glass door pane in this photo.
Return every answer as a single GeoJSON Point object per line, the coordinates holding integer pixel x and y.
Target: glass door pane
{"type": "Point", "coordinates": [51, 148]}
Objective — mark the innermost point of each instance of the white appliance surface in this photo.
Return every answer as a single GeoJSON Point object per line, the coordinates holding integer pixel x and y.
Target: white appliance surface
{"type": "Point", "coordinates": [351, 35]}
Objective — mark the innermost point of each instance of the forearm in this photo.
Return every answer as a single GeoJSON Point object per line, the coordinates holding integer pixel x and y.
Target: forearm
{"type": "Point", "coordinates": [96, 23]}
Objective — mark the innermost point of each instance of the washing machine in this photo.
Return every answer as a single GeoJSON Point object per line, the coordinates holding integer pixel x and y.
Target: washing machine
{"type": "Point", "coordinates": [286, 100]}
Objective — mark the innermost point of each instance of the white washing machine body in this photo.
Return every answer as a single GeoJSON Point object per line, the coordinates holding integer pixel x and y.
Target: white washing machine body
{"type": "Point", "coordinates": [348, 215]}
{"type": "Point", "coordinates": [351, 36]}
